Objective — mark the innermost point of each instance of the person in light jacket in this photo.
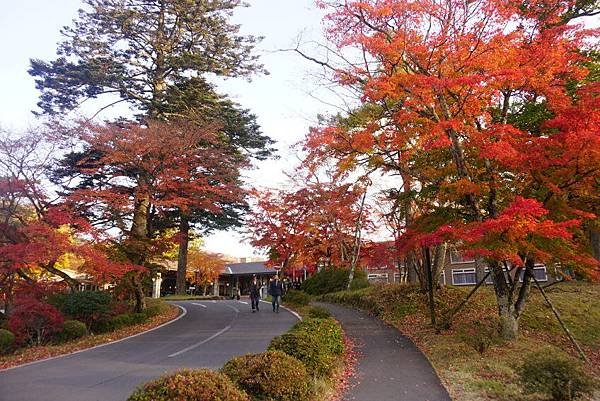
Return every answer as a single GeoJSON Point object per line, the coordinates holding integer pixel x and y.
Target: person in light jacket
{"type": "Point", "coordinates": [276, 291]}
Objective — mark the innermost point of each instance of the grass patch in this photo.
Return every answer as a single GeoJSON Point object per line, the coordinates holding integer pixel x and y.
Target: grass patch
{"type": "Point", "coordinates": [473, 363]}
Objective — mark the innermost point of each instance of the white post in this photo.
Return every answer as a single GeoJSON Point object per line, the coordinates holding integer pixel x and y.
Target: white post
{"type": "Point", "coordinates": [216, 287]}
{"type": "Point", "coordinates": [156, 282]}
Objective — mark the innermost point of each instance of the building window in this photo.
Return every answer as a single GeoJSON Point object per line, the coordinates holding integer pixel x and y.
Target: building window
{"type": "Point", "coordinates": [377, 276]}
{"type": "Point", "coordinates": [539, 272]}
{"type": "Point", "coordinates": [458, 257]}
{"type": "Point", "coordinates": [489, 279]}
{"type": "Point", "coordinates": [464, 276]}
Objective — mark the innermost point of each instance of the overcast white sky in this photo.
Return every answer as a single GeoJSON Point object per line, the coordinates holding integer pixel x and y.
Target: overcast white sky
{"type": "Point", "coordinates": [281, 100]}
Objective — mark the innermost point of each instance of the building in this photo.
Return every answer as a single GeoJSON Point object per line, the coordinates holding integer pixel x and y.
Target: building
{"type": "Point", "coordinates": [238, 276]}
{"type": "Point", "coordinates": [458, 270]}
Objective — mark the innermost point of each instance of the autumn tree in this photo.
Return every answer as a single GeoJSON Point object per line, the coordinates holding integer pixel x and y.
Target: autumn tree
{"type": "Point", "coordinates": [155, 56]}
{"type": "Point", "coordinates": [131, 176]}
{"type": "Point", "coordinates": [442, 84]}
{"type": "Point", "coordinates": [314, 224]}
{"type": "Point", "coordinates": [204, 267]}
{"type": "Point", "coordinates": [40, 238]}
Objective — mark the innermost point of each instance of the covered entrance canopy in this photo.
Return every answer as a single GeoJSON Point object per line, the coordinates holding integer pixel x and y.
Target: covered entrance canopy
{"type": "Point", "coordinates": [239, 275]}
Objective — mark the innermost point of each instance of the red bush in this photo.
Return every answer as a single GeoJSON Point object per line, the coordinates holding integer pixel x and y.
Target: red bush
{"type": "Point", "coordinates": [34, 321]}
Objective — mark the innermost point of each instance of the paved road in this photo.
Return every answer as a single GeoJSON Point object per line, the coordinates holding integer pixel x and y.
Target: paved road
{"type": "Point", "coordinates": [389, 366]}
{"type": "Point", "coordinates": [208, 335]}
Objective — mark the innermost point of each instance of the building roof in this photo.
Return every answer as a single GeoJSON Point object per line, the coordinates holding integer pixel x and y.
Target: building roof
{"type": "Point", "coordinates": [236, 269]}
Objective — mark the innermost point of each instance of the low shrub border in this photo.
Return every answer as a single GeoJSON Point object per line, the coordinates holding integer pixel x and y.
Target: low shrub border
{"type": "Point", "coordinates": [270, 376]}
{"type": "Point", "coordinates": [190, 385]}
{"type": "Point", "coordinates": [37, 353]}
{"type": "Point", "coordinates": [333, 379]}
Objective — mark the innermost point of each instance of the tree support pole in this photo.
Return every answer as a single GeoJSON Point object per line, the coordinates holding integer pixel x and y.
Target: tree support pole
{"type": "Point", "coordinates": [448, 318]}
{"type": "Point", "coordinates": [562, 324]}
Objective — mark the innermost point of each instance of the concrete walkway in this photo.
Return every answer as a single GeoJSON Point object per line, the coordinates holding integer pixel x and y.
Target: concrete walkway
{"type": "Point", "coordinates": [389, 366]}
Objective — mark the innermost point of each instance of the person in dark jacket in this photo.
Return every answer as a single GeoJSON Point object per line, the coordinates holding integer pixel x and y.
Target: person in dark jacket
{"type": "Point", "coordinates": [254, 294]}
{"type": "Point", "coordinates": [276, 291]}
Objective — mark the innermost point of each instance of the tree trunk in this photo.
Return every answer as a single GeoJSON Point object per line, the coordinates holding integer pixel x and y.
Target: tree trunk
{"type": "Point", "coordinates": [595, 243]}
{"type": "Point", "coordinates": [509, 325]}
{"type": "Point", "coordinates": [139, 235]}
{"type": "Point", "coordinates": [357, 241]}
{"type": "Point", "coordinates": [184, 232]}
{"type": "Point", "coordinates": [509, 322]}
{"type": "Point", "coordinates": [430, 285]}
{"type": "Point", "coordinates": [139, 227]}
{"type": "Point", "coordinates": [138, 292]}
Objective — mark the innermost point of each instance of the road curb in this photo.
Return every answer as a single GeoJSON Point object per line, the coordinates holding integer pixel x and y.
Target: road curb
{"type": "Point", "coordinates": [287, 309]}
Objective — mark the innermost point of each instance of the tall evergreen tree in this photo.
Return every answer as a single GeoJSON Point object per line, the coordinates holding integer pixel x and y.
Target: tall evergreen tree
{"type": "Point", "coordinates": [155, 55]}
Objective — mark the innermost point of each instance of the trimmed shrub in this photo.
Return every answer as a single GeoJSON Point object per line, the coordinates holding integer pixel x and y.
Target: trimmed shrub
{"type": "Point", "coordinates": [103, 325]}
{"type": "Point", "coordinates": [334, 280]}
{"type": "Point", "coordinates": [318, 312]}
{"type": "Point", "coordinates": [296, 297]}
{"type": "Point", "coordinates": [270, 376]}
{"type": "Point", "coordinates": [190, 385]}
{"type": "Point", "coordinates": [33, 321]}
{"type": "Point", "coordinates": [154, 310]}
{"type": "Point", "coordinates": [557, 375]}
{"type": "Point", "coordinates": [360, 280]}
{"type": "Point", "coordinates": [85, 306]}
{"type": "Point", "coordinates": [120, 321]}
{"type": "Point", "coordinates": [138, 318]}
{"type": "Point", "coordinates": [319, 361]}
{"type": "Point", "coordinates": [7, 339]}
{"type": "Point", "coordinates": [72, 330]}
{"type": "Point", "coordinates": [328, 332]}
{"type": "Point", "coordinates": [325, 281]}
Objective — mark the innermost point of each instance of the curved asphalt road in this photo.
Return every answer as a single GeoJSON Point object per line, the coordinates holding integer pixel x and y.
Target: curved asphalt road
{"type": "Point", "coordinates": [208, 335]}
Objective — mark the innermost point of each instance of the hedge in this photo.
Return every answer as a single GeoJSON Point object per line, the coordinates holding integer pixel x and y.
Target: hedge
{"type": "Point", "coordinates": [190, 385]}
{"type": "Point", "coordinates": [270, 376]}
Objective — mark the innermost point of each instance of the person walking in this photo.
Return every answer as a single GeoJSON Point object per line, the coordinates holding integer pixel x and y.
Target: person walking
{"type": "Point", "coordinates": [254, 293]}
{"type": "Point", "coordinates": [276, 291]}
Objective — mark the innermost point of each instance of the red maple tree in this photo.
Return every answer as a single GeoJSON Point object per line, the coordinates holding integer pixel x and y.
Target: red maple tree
{"type": "Point", "coordinates": [472, 104]}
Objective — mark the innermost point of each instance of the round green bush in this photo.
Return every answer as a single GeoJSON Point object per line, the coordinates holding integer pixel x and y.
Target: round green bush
{"type": "Point", "coordinates": [360, 280]}
{"type": "Point", "coordinates": [557, 375]}
{"type": "Point", "coordinates": [270, 376]}
{"type": "Point", "coordinates": [295, 297]}
{"type": "Point", "coordinates": [72, 329]}
{"type": "Point", "coordinates": [318, 312]}
{"type": "Point", "coordinates": [7, 339]}
{"type": "Point", "coordinates": [85, 306]}
{"type": "Point", "coordinates": [138, 318]}
{"type": "Point", "coordinates": [325, 281]}
{"type": "Point", "coordinates": [313, 353]}
{"type": "Point", "coordinates": [122, 320]}
{"type": "Point", "coordinates": [190, 385]}
{"type": "Point", "coordinates": [328, 332]}
{"type": "Point", "coordinates": [154, 310]}
{"type": "Point", "coordinates": [103, 325]}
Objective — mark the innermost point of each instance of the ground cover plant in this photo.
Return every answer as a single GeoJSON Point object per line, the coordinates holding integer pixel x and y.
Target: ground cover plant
{"type": "Point", "coordinates": [471, 358]}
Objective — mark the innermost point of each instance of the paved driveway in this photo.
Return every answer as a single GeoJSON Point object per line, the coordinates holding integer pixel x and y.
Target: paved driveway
{"type": "Point", "coordinates": [210, 333]}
